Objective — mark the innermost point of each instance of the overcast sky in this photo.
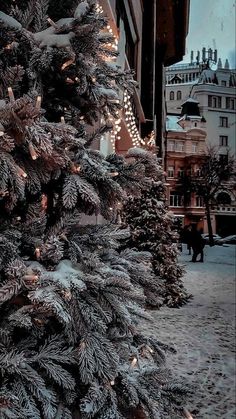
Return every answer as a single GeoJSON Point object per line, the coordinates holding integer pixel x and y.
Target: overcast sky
{"type": "Point", "coordinates": [212, 25]}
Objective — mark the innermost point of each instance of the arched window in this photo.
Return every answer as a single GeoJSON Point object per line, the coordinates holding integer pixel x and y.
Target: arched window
{"type": "Point", "coordinates": [223, 198]}
{"type": "Point", "coordinates": [179, 95]}
{"type": "Point", "coordinates": [172, 95]}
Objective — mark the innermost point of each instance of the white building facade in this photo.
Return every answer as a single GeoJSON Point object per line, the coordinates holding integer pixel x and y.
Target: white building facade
{"type": "Point", "coordinates": [215, 91]}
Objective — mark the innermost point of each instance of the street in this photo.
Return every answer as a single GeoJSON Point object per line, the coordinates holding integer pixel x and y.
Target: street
{"type": "Point", "coordinates": [203, 333]}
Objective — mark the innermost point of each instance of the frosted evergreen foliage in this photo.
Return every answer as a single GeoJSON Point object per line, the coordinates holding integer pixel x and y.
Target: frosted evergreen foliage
{"type": "Point", "coordinates": [152, 229]}
{"type": "Point", "coordinates": [70, 299]}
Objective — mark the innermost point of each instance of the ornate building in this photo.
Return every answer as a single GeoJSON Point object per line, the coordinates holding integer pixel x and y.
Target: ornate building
{"type": "Point", "coordinates": [214, 90]}
{"type": "Point", "coordinates": [185, 147]}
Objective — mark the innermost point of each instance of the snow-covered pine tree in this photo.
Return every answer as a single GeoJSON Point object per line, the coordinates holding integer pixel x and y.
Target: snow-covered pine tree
{"type": "Point", "coordinates": [152, 229]}
{"type": "Point", "coordinates": [69, 300]}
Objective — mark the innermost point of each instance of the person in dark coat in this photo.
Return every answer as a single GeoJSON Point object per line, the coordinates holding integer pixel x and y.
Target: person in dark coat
{"type": "Point", "coordinates": [186, 236]}
{"type": "Point", "coordinates": [197, 244]}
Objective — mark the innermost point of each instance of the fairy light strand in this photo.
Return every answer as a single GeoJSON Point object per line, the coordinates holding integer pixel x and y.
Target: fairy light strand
{"type": "Point", "coordinates": [130, 121]}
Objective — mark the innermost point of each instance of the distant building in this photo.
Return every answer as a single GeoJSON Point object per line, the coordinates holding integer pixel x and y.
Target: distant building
{"type": "Point", "coordinates": [185, 149]}
{"type": "Point", "coordinates": [215, 90]}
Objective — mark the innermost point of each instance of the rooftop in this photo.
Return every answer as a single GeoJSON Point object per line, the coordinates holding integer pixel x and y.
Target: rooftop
{"type": "Point", "coordinates": [190, 100]}
{"type": "Point", "coordinates": [172, 123]}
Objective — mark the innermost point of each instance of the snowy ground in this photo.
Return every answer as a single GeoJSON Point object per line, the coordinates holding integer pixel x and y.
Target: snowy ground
{"type": "Point", "coordinates": [203, 332]}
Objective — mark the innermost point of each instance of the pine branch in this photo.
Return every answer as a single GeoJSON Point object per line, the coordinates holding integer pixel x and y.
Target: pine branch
{"type": "Point", "coordinates": [9, 290]}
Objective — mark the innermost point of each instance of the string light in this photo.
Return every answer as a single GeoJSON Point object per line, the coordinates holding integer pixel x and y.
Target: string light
{"type": "Point", "coordinates": [11, 94]}
{"type": "Point", "coordinates": [52, 23]}
{"type": "Point", "coordinates": [39, 322]}
{"type": "Point", "coordinates": [69, 80]}
{"type": "Point", "coordinates": [75, 169]}
{"type": "Point", "coordinates": [21, 172]}
{"type": "Point", "coordinates": [38, 103]}
{"type": "Point", "coordinates": [187, 414]}
{"type": "Point", "coordinates": [134, 362]}
{"type": "Point", "coordinates": [37, 253]}
{"type": "Point", "coordinates": [44, 202]}
{"type": "Point", "coordinates": [150, 349]}
{"type": "Point", "coordinates": [67, 63]}
{"type": "Point", "coordinates": [130, 121]}
{"type": "Point", "coordinates": [67, 295]}
{"type": "Point", "coordinates": [32, 152]}
{"type": "Point", "coordinates": [9, 46]}
{"type": "Point", "coordinates": [128, 111]}
{"type": "Point", "coordinates": [31, 278]}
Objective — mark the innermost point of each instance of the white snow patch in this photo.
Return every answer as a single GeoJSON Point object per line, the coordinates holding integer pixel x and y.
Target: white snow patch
{"type": "Point", "coordinates": [203, 332]}
{"type": "Point", "coordinates": [81, 9]}
{"type": "Point", "coordinates": [10, 21]}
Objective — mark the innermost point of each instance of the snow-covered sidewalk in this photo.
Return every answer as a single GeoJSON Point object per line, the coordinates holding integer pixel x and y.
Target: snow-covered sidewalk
{"type": "Point", "coordinates": [203, 332]}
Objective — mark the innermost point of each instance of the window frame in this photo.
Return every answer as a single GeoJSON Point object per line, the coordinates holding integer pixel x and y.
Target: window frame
{"type": "Point", "coordinates": [224, 157]}
{"type": "Point", "coordinates": [199, 200]}
{"type": "Point", "coordinates": [214, 101]}
{"type": "Point", "coordinates": [177, 146]}
{"type": "Point", "coordinates": [179, 95]}
{"type": "Point", "coordinates": [223, 140]}
{"type": "Point", "coordinates": [223, 122]}
{"type": "Point", "coordinates": [172, 95]}
{"type": "Point", "coordinates": [230, 103]}
{"type": "Point", "coordinates": [171, 170]}
{"type": "Point", "coordinates": [194, 143]}
{"type": "Point", "coordinates": [176, 200]}
{"type": "Point", "coordinates": [181, 172]}
{"type": "Point", "coordinates": [170, 142]}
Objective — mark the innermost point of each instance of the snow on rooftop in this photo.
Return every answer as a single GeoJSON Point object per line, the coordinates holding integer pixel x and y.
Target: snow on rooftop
{"type": "Point", "coordinates": [190, 100]}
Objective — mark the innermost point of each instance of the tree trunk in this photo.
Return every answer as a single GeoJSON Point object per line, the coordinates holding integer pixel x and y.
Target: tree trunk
{"type": "Point", "coordinates": [210, 232]}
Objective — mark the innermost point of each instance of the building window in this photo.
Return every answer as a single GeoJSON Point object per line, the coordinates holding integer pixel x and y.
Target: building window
{"type": "Point", "coordinates": [179, 146]}
{"type": "Point", "coordinates": [223, 198]}
{"type": "Point", "coordinates": [179, 95]}
{"type": "Point", "coordinates": [230, 103]}
{"type": "Point", "coordinates": [223, 141]}
{"type": "Point", "coordinates": [214, 101]}
{"type": "Point", "coordinates": [176, 200]}
{"type": "Point", "coordinates": [172, 95]}
{"type": "Point", "coordinates": [194, 147]}
{"type": "Point", "coordinates": [170, 171]}
{"type": "Point", "coordinates": [199, 201]}
{"type": "Point", "coordinates": [223, 121]}
{"type": "Point", "coordinates": [181, 172]}
{"type": "Point", "coordinates": [171, 145]}
{"type": "Point", "coordinates": [131, 44]}
{"type": "Point", "coordinates": [223, 158]}
{"type": "Point", "coordinates": [223, 83]}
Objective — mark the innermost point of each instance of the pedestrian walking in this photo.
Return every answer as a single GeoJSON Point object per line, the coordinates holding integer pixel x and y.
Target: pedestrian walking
{"type": "Point", "coordinates": [185, 236]}
{"type": "Point", "coordinates": [197, 243]}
